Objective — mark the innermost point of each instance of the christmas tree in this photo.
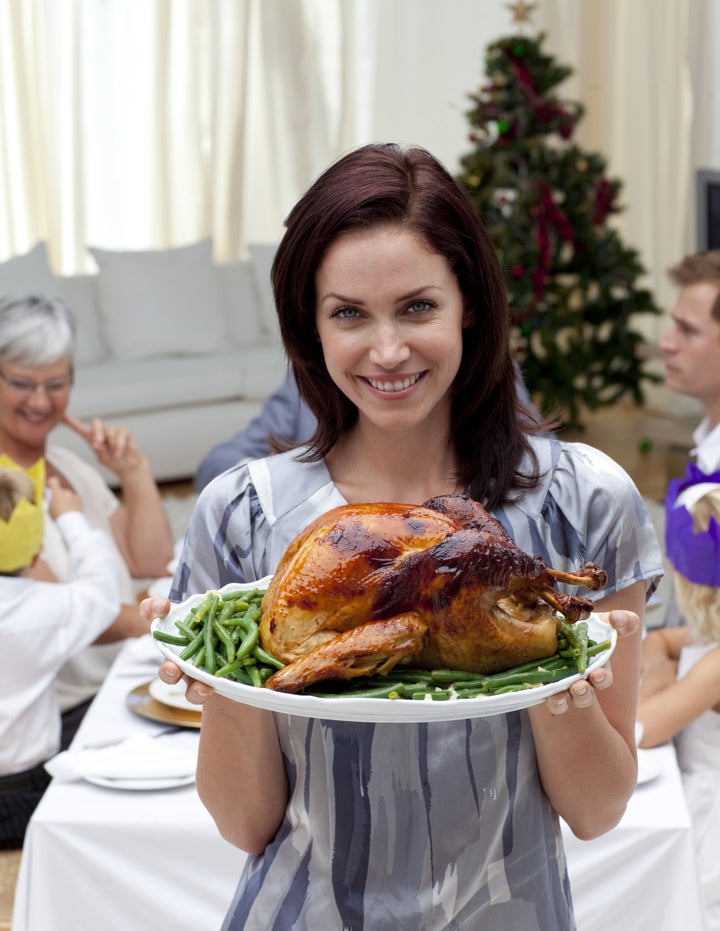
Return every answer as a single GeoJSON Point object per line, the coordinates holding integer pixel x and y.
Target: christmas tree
{"type": "Point", "coordinates": [572, 284]}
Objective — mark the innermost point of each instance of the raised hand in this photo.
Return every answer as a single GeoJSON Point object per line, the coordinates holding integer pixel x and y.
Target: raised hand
{"type": "Point", "coordinates": [115, 447]}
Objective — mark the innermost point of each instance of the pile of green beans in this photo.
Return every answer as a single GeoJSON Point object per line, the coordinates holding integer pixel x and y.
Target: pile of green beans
{"type": "Point", "coordinates": [575, 648]}
{"type": "Point", "coordinates": [221, 635]}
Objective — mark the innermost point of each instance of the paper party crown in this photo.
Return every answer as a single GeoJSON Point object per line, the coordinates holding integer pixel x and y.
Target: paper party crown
{"type": "Point", "coordinates": [22, 534]}
{"type": "Point", "coordinates": [695, 554]}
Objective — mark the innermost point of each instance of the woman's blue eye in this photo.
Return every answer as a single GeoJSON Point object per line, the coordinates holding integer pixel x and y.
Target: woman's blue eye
{"type": "Point", "coordinates": [345, 313]}
{"type": "Point", "coordinates": [420, 306]}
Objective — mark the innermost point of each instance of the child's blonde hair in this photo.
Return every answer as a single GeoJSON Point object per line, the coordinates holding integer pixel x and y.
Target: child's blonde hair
{"type": "Point", "coordinates": [700, 604]}
{"type": "Point", "coordinates": [14, 486]}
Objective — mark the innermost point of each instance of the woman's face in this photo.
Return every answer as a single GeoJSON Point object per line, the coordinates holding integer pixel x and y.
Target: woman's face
{"type": "Point", "coordinates": [33, 399]}
{"type": "Point", "coordinates": [389, 316]}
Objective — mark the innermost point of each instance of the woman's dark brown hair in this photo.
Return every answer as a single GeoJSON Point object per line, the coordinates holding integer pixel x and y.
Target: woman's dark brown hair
{"type": "Point", "coordinates": [380, 185]}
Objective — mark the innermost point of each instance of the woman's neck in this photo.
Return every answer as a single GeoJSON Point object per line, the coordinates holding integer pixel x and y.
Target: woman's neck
{"type": "Point", "coordinates": [368, 465]}
{"type": "Point", "coordinates": [21, 453]}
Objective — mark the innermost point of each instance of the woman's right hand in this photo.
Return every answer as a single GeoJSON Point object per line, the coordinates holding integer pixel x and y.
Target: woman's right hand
{"type": "Point", "coordinates": [170, 673]}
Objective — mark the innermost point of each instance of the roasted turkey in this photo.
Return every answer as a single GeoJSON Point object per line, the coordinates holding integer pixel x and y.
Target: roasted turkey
{"type": "Point", "coordinates": [440, 585]}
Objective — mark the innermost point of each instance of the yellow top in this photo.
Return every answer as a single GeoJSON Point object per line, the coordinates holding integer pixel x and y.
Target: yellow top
{"type": "Point", "coordinates": [21, 536]}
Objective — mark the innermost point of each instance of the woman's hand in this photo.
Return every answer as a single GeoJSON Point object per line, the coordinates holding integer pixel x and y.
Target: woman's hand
{"type": "Point", "coordinates": [139, 524]}
{"type": "Point", "coordinates": [115, 447]}
{"type": "Point", "coordinates": [170, 673]}
{"type": "Point", "coordinates": [581, 693]}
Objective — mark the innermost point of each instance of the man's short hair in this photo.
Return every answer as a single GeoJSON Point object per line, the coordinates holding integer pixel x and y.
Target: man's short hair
{"type": "Point", "coordinates": [699, 268]}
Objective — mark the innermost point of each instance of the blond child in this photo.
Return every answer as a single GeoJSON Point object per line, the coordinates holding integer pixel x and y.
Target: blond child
{"type": "Point", "coordinates": [42, 624]}
{"type": "Point", "coordinates": [680, 689]}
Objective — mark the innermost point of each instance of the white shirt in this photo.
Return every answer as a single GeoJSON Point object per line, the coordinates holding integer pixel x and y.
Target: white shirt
{"type": "Point", "coordinates": [707, 447]}
{"type": "Point", "coordinates": [82, 676]}
{"type": "Point", "coordinates": [41, 625]}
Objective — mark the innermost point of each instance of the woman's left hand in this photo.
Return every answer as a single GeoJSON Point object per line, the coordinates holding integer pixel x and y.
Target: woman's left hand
{"type": "Point", "coordinates": [580, 694]}
{"type": "Point", "coordinates": [115, 447]}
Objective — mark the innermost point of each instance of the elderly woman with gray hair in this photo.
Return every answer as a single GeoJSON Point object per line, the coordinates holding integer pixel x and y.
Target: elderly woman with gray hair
{"type": "Point", "coordinates": [37, 342]}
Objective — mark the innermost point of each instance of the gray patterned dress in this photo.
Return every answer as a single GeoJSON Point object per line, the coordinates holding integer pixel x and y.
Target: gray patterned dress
{"type": "Point", "coordinates": [414, 827]}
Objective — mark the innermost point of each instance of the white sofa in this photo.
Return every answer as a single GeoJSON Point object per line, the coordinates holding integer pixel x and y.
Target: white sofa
{"type": "Point", "coordinates": [182, 350]}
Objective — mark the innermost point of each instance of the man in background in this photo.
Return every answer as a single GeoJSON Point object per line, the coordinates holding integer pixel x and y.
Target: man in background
{"type": "Point", "coordinates": [692, 364]}
{"type": "Point", "coordinates": [692, 349]}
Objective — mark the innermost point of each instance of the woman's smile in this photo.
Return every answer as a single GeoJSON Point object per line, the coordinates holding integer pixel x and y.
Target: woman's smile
{"type": "Point", "coordinates": [393, 384]}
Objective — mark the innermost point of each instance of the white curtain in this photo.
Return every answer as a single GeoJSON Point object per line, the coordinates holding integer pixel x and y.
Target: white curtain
{"type": "Point", "coordinates": [136, 124]}
{"type": "Point", "coordinates": [632, 72]}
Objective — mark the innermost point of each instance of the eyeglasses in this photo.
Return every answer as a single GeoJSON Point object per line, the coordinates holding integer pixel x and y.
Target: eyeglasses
{"type": "Point", "coordinates": [53, 387]}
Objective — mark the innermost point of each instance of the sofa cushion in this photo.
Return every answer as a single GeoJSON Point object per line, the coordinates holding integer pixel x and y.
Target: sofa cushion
{"type": "Point", "coordinates": [240, 302]}
{"type": "Point", "coordinates": [80, 294]}
{"type": "Point", "coordinates": [29, 273]}
{"type": "Point", "coordinates": [262, 258]}
{"type": "Point", "coordinates": [123, 388]}
{"type": "Point", "coordinates": [159, 303]}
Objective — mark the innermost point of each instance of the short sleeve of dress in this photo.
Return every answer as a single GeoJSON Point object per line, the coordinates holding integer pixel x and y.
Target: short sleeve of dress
{"type": "Point", "coordinates": [245, 519]}
{"type": "Point", "coordinates": [587, 509]}
{"type": "Point", "coordinates": [218, 546]}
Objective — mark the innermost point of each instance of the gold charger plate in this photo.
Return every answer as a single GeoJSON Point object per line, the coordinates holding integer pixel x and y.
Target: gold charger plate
{"type": "Point", "coordinates": [141, 702]}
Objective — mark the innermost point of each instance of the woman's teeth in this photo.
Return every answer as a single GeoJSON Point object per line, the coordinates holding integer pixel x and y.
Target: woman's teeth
{"type": "Point", "coordinates": [399, 385]}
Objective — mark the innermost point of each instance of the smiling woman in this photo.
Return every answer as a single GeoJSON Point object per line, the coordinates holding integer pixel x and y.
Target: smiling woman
{"type": "Point", "coordinates": [393, 314]}
{"type": "Point", "coordinates": [37, 342]}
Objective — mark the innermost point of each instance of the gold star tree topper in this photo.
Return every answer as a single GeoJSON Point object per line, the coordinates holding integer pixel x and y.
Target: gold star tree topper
{"type": "Point", "coordinates": [521, 11]}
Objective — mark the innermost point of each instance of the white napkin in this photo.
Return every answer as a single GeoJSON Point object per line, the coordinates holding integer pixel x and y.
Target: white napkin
{"type": "Point", "coordinates": [142, 650]}
{"type": "Point", "coordinates": [140, 757]}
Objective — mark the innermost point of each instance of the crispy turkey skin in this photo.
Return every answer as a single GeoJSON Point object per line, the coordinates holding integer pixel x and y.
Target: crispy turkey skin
{"type": "Point", "coordinates": [367, 586]}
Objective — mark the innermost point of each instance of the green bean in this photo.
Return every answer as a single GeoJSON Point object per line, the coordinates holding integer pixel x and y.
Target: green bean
{"type": "Point", "coordinates": [170, 638]}
{"type": "Point", "coordinates": [194, 645]}
{"type": "Point", "coordinates": [249, 642]}
{"type": "Point", "coordinates": [226, 639]}
{"type": "Point", "coordinates": [264, 657]}
{"type": "Point", "coordinates": [391, 689]}
{"type": "Point", "coordinates": [209, 640]}
{"type": "Point", "coordinates": [185, 630]}
{"type": "Point", "coordinates": [577, 636]}
{"type": "Point", "coordinates": [241, 675]}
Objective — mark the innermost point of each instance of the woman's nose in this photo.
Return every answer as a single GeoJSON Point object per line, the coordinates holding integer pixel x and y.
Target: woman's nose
{"type": "Point", "coordinates": [389, 348]}
{"type": "Point", "coordinates": [39, 398]}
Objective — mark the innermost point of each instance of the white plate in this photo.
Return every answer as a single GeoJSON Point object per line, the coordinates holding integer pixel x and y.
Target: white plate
{"type": "Point", "coordinates": [172, 695]}
{"type": "Point", "coordinates": [381, 710]}
{"type": "Point", "coordinates": [141, 785]}
{"type": "Point", "coordinates": [649, 767]}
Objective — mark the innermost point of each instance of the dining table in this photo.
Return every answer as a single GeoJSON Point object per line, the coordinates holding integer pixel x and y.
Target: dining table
{"type": "Point", "coordinates": [151, 858]}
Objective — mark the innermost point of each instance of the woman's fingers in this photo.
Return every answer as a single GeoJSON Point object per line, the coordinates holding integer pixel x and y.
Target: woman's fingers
{"type": "Point", "coordinates": [625, 623]}
{"type": "Point", "coordinates": [77, 426]}
{"type": "Point", "coordinates": [196, 692]}
{"type": "Point", "coordinates": [153, 607]}
{"type": "Point", "coordinates": [112, 445]}
{"type": "Point", "coordinates": [581, 694]}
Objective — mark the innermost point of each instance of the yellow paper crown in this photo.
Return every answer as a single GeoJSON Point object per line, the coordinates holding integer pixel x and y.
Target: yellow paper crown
{"type": "Point", "coordinates": [21, 536]}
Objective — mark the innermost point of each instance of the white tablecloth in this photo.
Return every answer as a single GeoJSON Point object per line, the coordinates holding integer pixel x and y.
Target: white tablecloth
{"type": "Point", "coordinates": [641, 876]}
{"type": "Point", "coordinates": [99, 859]}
